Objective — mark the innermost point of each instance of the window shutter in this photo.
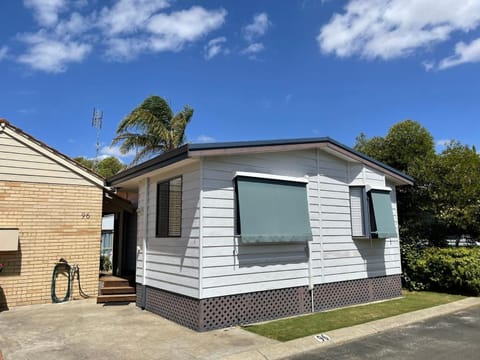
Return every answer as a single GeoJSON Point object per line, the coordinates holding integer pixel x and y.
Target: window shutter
{"type": "Point", "coordinates": [357, 211]}
{"type": "Point", "coordinates": [272, 211]}
{"type": "Point", "coordinates": [383, 214]}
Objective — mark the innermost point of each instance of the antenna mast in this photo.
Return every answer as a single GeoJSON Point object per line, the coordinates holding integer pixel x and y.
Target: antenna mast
{"type": "Point", "coordinates": [97, 118]}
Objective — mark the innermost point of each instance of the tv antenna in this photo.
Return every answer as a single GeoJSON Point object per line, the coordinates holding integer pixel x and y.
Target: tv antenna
{"type": "Point", "coordinates": [97, 118]}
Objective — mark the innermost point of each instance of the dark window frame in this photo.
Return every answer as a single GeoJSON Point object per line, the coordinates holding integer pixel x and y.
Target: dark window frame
{"type": "Point", "coordinates": [273, 180]}
{"type": "Point", "coordinates": [368, 214]}
{"type": "Point", "coordinates": [162, 225]}
{"type": "Point", "coordinates": [366, 218]}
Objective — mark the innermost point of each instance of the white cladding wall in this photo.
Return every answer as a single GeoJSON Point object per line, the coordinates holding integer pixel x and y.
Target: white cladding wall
{"type": "Point", "coordinates": [228, 268]}
{"type": "Point", "coordinates": [19, 162]}
{"type": "Point", "coordinates": [172, 263]}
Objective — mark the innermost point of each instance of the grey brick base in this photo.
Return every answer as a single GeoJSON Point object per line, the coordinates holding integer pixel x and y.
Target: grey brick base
{"type": "Point", "coordinates": [224, 311]}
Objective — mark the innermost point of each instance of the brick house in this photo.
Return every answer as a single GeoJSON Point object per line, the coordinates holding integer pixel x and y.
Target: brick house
{"type": "Point", "coordinates": [50, 208]}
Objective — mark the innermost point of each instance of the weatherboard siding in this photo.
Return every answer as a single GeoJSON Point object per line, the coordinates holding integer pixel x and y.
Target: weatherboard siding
{"type": "Point", "coordinates": [339, 257]}
{"type": "Point", "coordinates": [172, 263]}
{"type": "Point", "coordinates": [19, 162]}
{"type": "Point", "coordinates": [232, 268]}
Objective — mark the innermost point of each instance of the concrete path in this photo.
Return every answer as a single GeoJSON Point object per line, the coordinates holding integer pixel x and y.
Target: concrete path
{"type": "Point", "coordinates": [86, 330]}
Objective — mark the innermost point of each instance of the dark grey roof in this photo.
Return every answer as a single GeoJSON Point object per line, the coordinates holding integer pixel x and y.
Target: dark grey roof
{"type": "Point", "coordinates": [184, 152]}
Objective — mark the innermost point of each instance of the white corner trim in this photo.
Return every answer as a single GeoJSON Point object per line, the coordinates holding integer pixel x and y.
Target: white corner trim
{"type": "Point", "coordinates": [272, 177]}
{"type": "Point", "coordinates": [369, 187]}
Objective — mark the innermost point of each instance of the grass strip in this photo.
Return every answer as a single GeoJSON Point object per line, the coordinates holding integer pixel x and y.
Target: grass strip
{"type": "Point", "coordinates": [301, 326]}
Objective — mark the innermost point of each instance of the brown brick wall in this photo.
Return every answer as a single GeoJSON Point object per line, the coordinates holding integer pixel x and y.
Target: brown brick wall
{"type": "Point", "coordinates": [53, 224]}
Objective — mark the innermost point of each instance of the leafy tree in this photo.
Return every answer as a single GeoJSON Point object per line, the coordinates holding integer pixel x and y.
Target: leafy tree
{"type": "Point", "coordinates": [455, 189]}
{"type": "Point", "coordinates": [408, 147]}
{"type": "Point", "coordinates": [85, 162]}
{"type": "Point", "coordinates": [110, 166]}
{"type": "Point", "coordinates": [374, 147]}
{"type": "Point", "coordinates": [152, 128]}
{"type": "Point", "coordinates": [106, 167]}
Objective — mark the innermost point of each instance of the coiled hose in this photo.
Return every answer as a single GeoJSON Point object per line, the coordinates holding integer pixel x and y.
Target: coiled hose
{"type": "Point", "coordinates": [71, 272]}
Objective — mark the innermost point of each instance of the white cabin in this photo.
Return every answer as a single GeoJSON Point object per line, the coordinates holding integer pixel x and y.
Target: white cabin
{"type": "Point", "coordinates": [235, 233]}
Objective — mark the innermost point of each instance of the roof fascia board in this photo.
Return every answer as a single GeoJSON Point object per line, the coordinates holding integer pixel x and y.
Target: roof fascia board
{"type": "Point", "coordinates": [322, 143]}
{"type": "Point", "coordinates": [239, 148]}
{"type": "Point", "coordinates": [53, 154]}
{"type": "Point", "coordinates": [255, 149]}
{"type": "Point", "coordinates": [160, 161]}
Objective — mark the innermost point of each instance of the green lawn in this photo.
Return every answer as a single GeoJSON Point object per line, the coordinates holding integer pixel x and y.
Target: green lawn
{"type": "Point", "coordinates": [301, 326]}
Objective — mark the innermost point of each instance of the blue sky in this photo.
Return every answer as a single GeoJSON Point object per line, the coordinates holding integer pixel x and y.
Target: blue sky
{"type": "Point", "coordinates": [250, 69]}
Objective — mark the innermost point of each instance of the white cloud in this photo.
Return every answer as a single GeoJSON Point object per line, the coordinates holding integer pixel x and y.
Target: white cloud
{"type": "Point", "coordinates": [428, 65]}
{"type": "Point", "coordinates": [3, 52]}
{"type": "Point", "coordinates": [128, 28]}
{"type": "Point", "coordinates": [51, 55]}
{"type": "Point", "coordinates": [129, 16]}
{"type": "Point", "coordinates": [123, 30]}
{"type": "Point", "coordinates": [167, 32]}
{"type": "Point", "coordinates": [205, 139]}
{"type": "Point", "coordinates": [119, 49]}
{"type": "Point", "coordinates": [464, 53]}
{"type": "Point", "coordinates": [46, 11]}
{"type": "Point", "coordinates": [257, 28]}
{"type": "Point", "coordinates": [254, 48]}
{"type": "Point", "coordinates": [288, 98]}
{"type": "Point", "coordinates": [187, 25]}
{"type": "Point", "coordinates": [388, 29]}
{"type": "Point", "coordinates": [107, 151]}
{"type": "Point", "coordinates": [215, 47]}
{"type": "Point", "coordinates": [75, 25]}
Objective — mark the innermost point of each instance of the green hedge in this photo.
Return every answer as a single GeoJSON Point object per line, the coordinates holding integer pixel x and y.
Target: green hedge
{"type": "Point", "coordinates": [452, 270]}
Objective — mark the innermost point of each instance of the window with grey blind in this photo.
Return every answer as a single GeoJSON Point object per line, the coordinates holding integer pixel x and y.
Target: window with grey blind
{"type": "Point", "coordinates": [169, 208]}
{"type": "Point", "coordinates": [357, 211]}
{"type": "Point", "coordinates": [371, 213]}
{"type": "Point", "coordinates": [272, 211]}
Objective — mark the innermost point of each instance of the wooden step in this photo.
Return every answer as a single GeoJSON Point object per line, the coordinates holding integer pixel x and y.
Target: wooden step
{"type": "Point", "coordinates": [117, 290]}
{"type": "Point", "coordinates": [113, 281]}
{"type": "Point", "coordinates": [116, 298]}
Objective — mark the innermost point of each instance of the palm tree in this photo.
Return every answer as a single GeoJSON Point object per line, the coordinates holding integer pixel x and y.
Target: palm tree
{"type": "Point", "coordinates": [152, 128]}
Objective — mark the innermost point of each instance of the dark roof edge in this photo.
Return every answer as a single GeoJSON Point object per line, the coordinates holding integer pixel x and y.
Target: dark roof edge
{"type": "Point", "coordinates": [184, 152]}
{"type": "Point", "coordinates": [259, 143]}
{"type": "Point", "coordinates": [162, 160]}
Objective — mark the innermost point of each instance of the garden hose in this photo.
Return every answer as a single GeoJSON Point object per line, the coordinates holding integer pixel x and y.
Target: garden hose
{"type": "Point", "coordinates": [71, 272]}
{"type": "Point", "coordinates": [61, 264]}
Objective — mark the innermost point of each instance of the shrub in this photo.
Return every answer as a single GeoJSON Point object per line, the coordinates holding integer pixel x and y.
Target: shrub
{"type": "Point", "coordinates": [453, 270]}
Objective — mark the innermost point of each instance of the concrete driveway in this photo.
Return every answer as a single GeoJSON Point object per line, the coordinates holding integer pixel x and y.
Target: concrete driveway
{"type": "Point", "coordinates": [85, 330]}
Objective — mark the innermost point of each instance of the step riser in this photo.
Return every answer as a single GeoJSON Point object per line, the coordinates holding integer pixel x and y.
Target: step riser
{"type": "Point", "coordinates": [111, 291]}
{"type": "Point", "coordinates": [115, 298]}
{"type": "Point", "coordinates": [115, 283]}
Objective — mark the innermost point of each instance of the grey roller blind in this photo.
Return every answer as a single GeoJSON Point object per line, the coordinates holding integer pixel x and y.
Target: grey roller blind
{"type": "Point", "coordinates": [383, 214]}
{"type": "Point", "coordinates": [272, 211]}
{"type": "Point", "coordinates": [357, 211]}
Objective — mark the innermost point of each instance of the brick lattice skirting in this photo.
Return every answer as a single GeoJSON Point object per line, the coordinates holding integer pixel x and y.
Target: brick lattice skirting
{"type": "Point", "coordinates": [224, 311]}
